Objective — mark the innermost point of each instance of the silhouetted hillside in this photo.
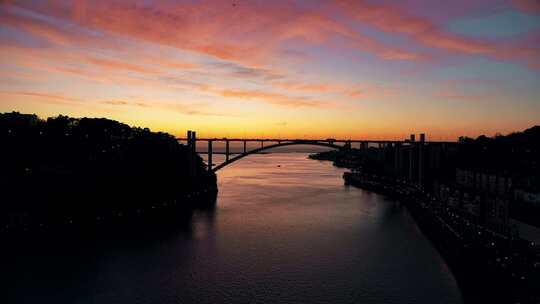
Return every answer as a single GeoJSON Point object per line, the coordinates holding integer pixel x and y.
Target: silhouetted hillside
{"type": "Point", "coordinates": [63, 168]}
{"type": "Point", "coordinates": [516, 153]}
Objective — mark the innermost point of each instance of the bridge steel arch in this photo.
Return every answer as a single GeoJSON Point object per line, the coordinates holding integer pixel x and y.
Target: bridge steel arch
{"type": "Point", "coordinates": [255, 151]}
{"type": "Point", "coordinates": [415, 149]}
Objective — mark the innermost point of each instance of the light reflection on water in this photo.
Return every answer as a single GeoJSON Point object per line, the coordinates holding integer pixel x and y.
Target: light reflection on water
{"type": "Point", "coordinates": [298, 223]}
{"type": "Point", "coordinates": [287, 234]}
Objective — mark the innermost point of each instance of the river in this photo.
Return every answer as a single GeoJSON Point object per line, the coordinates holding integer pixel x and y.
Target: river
{"type": "Point", "coordinates": [285, 230]}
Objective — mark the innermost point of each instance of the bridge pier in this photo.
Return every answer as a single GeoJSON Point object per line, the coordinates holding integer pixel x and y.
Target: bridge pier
{"type": "Point", "coordinates": [190, 159]}
{"type": "Point", "coordinates": [192, 152]}
{"type": "Point", "coordinates": [210, 155]}
{"type": "Point", "coordinates": [397, 159]}
{"type": "Point", "coordinates": [364, 146]}
{"type": "Point", "coordinates": [411, 158]}
{"type": "Point", "coordinates": [421, 159]}
{"type": "Point", "coordinates": [245, 147]}
{"type": "Point", "coordinates": [226, 150]}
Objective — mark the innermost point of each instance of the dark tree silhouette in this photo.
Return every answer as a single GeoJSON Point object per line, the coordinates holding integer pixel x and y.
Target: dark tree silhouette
{"type": "Point", "coordinates": [65, 169]}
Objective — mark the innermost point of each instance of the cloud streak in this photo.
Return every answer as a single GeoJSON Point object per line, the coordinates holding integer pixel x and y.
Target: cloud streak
{"type": "Point", "coordinates": [124, 103]}
{"type": "Point", "coordinates": [242, 35]}
{"type": "Point", "coordinates": [194, 110]}
{"type": "Point", "coordinates": [272, 98]}
{"type": "Point", "coordinates": [527, 6]}
{"type": "Point", "coordinates": [51, 97]}
{"type": "Point", "coordinates": [392, 19]}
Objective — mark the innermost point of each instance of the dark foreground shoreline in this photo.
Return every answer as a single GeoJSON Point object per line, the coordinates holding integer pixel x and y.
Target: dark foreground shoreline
{"type": "Point", "coordinates": [114, 223]}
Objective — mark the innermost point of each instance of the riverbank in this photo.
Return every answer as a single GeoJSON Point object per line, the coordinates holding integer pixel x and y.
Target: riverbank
{"type": "Point", "coordinates": [489, 266]}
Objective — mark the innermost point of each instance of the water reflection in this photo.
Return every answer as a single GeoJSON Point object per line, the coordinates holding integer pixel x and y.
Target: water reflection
{"type": "Point", "coordinates": [292, 233]}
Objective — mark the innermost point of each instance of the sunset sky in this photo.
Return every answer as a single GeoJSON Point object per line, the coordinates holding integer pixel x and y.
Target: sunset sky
{"type": "Point", "coordinates": [245, 68]}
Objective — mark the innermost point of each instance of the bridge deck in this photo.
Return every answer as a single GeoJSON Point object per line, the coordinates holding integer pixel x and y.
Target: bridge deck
{"type": "Point", "coordinates": [333, 143]}
{"type": "Point", "coordinates": [374, 141]}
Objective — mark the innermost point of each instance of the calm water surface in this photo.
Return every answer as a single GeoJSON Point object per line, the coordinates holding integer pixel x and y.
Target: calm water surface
{"type": "Point", "coordinates": [287, 234]}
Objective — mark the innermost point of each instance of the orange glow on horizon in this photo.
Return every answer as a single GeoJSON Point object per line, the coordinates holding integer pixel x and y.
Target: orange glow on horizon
{"type": "Point", "coordinates": [276, 69]}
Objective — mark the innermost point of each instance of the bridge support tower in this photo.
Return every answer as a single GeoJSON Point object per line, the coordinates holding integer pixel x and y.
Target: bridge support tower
{"type": "Point", "coordinates": [411, 157]}
{"type": "Point", "coordinates": [397, 159]}
{"type": "Point", "coordinates": [227, 150]}
{"type": "Point", "coordinates": [210, 155]}
{"type": "Point", "coordinates": [421, 164]}
{"type": "Point", "coordinates": [192, 152]}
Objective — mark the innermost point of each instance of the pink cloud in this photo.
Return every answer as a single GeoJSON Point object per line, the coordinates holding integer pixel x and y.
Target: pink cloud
{"type": "Point", "coordinates": [310, 87]}
{"type": "Point", "coordinates": [272, 98]}
{"type": "Point", "coordinates": [121, 65]}
{"type": "Point", "coordinates": [527, 6]}
{"type": "Point", "coordinates": [185, 109]}
{"type": "Point", "coordinates": [453, 94]}
{"type": "Point", "coordinates": [55, 98]}
{"type": "Point", "coordinates": [250, 34]}
{"type": "Point", "coordinates": [353, 91]}
{"type": "Point", "coordinates": [117, 102]}
{"type": "Point", "coordinates": [393, 19]}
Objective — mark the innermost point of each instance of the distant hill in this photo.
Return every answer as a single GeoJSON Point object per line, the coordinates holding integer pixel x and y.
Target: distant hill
{"type": "Point", "coordinates": [65, 168]}
{"type": "Point", "coordinates": [516, 153]}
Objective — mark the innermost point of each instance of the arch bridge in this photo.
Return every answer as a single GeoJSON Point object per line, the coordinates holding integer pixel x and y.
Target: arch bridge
{"type": "Point", "coordinates": [269, 143]}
